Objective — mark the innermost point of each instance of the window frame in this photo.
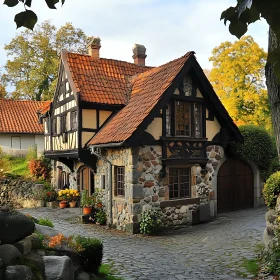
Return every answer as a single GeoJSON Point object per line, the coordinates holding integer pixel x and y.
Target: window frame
{"type": "Point", "coordinates": [120, 181]}
{"type": "Point", "coordinates": [189, 182]}
{"type": "Point", "coordinates": [171, 117]}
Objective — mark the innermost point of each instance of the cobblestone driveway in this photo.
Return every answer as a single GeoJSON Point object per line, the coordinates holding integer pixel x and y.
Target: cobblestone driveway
{"type": "Point", "coordinates": [213, 250]}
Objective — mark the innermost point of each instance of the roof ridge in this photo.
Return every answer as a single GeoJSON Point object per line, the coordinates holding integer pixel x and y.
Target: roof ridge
{"type": "Point", "coordinates": [107, 59]}
{"type": "Point", "coordinates": [158, 68]}
{"type": "Point", "coordinates": [22, 100]}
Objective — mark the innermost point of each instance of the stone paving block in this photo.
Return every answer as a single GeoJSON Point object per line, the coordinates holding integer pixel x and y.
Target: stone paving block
{"type": "Point", "coordinates": [178, 253]}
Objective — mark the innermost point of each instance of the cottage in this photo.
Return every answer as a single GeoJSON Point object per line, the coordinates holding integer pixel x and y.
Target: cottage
{"type": "Point", "coordinates": [19, 126]}
{"type": "Point", "coordinates": [145, 137]}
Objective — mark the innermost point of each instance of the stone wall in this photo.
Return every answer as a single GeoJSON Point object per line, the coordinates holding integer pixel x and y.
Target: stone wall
{"type": "Point", "coordinates": [122, 209]}
{"type": "Point", "coordinates": [20, 194]}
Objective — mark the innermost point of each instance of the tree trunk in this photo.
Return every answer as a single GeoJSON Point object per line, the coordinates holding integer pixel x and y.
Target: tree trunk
{"type": "Point", "coordinates": [273, 89]}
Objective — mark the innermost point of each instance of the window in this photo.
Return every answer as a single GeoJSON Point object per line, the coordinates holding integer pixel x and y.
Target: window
{"type": "Point", "coordinates": [179, 183]}
{"type": "Point", "coordinates": [63, 124]}
{"type": "Point", "coordinates": [183, 118]}
{"type": "Point", "coordinates": [54, 126]}
{"type": "Point", "coordinates": [168, 120]}
{"type": "Point", "coordinates": [120, 180]}
{"type": "Point", "coordinates": [73, 120]}
{"type": "Point", "coordinates": [187, 119]}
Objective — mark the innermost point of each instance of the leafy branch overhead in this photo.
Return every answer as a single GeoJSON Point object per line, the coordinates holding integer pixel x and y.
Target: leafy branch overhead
{"type": "Point", "coordinates": [28, 18]}
{"type": "Point", "coordinates": [249, 11]}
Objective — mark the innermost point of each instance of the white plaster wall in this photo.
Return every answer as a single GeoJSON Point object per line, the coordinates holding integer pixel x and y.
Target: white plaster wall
{"type": "Point", "coordinates": [26, 141]}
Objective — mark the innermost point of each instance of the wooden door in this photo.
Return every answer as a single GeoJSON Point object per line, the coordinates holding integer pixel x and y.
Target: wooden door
{"type": "Point", "coordinates": [87, 180]}
{"type": "Point", "coordinates": [235, 186]}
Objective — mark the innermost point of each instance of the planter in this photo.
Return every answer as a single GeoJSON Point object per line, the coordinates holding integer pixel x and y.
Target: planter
{"type": "Point", "coordinates": [63, 205]}
{"type": "Point", "coordinates": [99, 205]}
{"type": "Point", "coordinates": [40, 203]}
{"type": "Point", "coordinates": [87, 210]}
{"type": "Point", "coordinates": [72, 204]}
{"type": "Point", "coordinates": [52, 204]}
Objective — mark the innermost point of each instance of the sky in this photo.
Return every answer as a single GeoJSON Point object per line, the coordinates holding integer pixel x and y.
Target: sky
{"type": "Point", "coordinates": [167, 28]}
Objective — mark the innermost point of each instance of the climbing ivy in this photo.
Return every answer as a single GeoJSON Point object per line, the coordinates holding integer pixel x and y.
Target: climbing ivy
{"type": "Point", "coordinates": [258, 147]}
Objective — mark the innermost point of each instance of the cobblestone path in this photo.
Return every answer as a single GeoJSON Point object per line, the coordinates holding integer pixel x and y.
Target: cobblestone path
{"type": "Point", "coordinates": [212, 250]}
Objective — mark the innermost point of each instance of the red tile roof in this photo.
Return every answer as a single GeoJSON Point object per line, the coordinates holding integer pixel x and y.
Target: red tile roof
{"type": "Point", "coordinates": [45, 107]}
{"type": "Point", "coordinates": [104, 81]}
{"type": "Point", "coordinates": [20, 116]}
{"type": "Point", "coordinates": [147, 89]}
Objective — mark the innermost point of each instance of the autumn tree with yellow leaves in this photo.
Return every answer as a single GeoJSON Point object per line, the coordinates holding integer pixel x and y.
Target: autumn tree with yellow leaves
{"type": "Point", "coordinates": [239, 80]}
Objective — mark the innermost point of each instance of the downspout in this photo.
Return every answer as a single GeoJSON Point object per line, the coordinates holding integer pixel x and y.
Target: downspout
{"type": "Point", "coordinates": [97, 152]}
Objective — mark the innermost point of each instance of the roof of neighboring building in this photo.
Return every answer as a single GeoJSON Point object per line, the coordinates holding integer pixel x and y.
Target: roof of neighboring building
{"type": "Point", "coordinates": [45, 107]}
{"type": "Point", "coordinates": [146, 90]}
{"type": "Point", "coordinates": [103, 81]}
{"type": "Point", "coordinates": [20, 116]}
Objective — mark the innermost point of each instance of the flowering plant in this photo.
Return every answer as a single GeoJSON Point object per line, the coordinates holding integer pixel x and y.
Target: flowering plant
{"type": "Point", "coordinates": [68, 195]}
{"type": "Point", "coordinates": [50, 194]}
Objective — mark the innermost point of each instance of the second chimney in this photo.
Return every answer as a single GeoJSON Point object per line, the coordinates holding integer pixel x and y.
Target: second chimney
{"type": "Point", "coordinates": [94, 47]}
{"type": "Point", "coordinates": [139, 54]}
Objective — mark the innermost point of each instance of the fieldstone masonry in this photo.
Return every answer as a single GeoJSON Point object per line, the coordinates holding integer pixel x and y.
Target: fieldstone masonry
{"type": "Point", "coordinates": [146, 187]}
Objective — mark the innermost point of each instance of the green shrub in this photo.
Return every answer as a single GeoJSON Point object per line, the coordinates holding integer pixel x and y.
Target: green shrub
{"type": "Point", "coordinates": [151, 221]}
{"type": "Point", "coordinates": [91, 252]}
{"type": "Point", "coordinates": [101, 217]}
{"type": "Point", "coordinates": [271, 190]}
{"type": "Point", "coordinates": [258, 147]}
{"type": "Point", "coordinates": [45, 222]}
{"type": "Point", "coordinates": [270, 256]}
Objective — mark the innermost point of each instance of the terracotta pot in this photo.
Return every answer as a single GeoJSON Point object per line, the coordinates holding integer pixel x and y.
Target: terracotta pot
{"type": "Point", "coordinates": [99, 205]}
{"type": "Point", "coordinates": [62, 204]}
{"type": "Point", "coordinates": [72, 204]}
{"type": "Point", "coordinates": [87, 210]}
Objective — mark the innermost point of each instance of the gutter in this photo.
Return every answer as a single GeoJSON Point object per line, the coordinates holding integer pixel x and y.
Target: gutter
{"type": "Point", "coordinates": [108, 145]}
{"type": "Point", "coordinates": [97, 152]}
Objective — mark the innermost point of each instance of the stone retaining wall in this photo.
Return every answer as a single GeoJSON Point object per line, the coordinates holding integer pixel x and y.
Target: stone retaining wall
{"type": "Point", "coordinates": [20, 194]}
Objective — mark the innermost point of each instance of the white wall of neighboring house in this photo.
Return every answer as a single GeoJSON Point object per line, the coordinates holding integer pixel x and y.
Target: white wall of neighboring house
{"type": "Point", "coordinates": [17, 144]}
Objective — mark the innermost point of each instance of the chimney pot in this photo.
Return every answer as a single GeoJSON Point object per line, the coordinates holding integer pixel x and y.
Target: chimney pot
{"type": "Point", "coordinates": [94, 47]}
{"type": "Point", "coordinates": [139, 54]}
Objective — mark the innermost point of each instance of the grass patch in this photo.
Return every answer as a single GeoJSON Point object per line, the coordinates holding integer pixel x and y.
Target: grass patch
{"type": "Point", "coordinates": [105, 272]}
{"type": "Point", "coordinates": [17, 166]}
{"type": "Point", "coordinates": [45, 222]}
{"type": "Point", "coordinates": [251, 265]}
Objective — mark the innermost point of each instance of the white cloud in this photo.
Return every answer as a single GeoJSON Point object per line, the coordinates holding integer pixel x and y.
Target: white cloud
{"type": "Point", "coordinates": [168, 29]}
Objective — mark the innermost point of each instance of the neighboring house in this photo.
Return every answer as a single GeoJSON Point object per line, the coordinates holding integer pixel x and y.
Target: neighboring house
{"type": "Point", "coordinates": [19, 126]}
{"type": "Point", "coordinates": [144, 137]}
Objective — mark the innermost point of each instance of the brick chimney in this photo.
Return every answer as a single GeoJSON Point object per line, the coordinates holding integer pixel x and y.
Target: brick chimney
{"type": "Point", "coordinates": [94, 47]}
{"type": "Point", "coordinates": [139, 54]}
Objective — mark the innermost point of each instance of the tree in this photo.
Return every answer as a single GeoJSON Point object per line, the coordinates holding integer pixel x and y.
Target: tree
{"type": "Point", "coordinates": [28, 18]}
{"type": "Point", "coordinates": [35, 58]}
{"type": "Point", "coordinates": [238, 79]}
{"type": "Point", "coordinates": [3, 92]}
{"type": "Point", "coordinates": [245, 13]}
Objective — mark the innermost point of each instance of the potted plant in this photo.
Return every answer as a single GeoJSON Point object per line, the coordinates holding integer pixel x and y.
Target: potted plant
{"type": "Point", "coordinates": [50, 196]}
{"type": "Point", "coordinates": [63, 197]}
{"type": "Point", "coordinates": [101, 217]}
{"type": "Point", "coordinates": [74, 196]}
{"type": "Point", "coordinates": [99, 203]}
{"type": "Point", "coordinates": [87, 202]}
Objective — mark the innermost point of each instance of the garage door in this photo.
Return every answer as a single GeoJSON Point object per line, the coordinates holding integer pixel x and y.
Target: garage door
{"type": "Point", "coordinates": [235, 188]}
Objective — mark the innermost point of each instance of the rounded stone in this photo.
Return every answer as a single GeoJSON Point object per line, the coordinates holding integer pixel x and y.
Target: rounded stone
{"type": "Point", "coordinates": [8, 253]}
{"type": "Point", "coordinates": [10, 223]}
